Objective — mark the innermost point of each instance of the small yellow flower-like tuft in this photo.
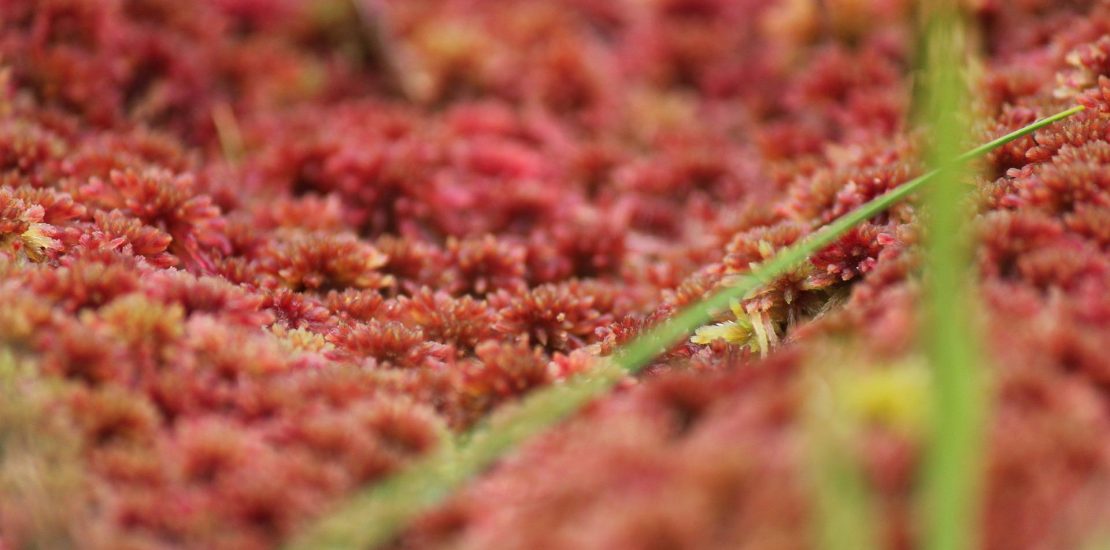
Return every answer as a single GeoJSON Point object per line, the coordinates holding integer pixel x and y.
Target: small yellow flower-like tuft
{"type": "Point", "coordinates": [301, 340]}
{"type": "Point", "coordinates": [895, 397]}
{"type": "Point", "coordinates": [739, 331]}
{"type": "Point", "coordinates": [732, 332]}
{"type": "Point", "coordinates": [36, 242]}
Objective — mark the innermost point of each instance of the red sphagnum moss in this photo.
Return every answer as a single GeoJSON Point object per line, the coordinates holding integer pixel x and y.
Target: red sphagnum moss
{"type": "Point", "coordinates": [415, 228]}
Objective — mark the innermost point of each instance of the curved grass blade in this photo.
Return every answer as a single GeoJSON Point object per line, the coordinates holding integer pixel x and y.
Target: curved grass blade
{"type": "Point", "coordinates": [377, 515]}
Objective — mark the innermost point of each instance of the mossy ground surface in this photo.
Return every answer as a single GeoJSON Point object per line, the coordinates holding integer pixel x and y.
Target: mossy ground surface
{"type": "Point", "coordinates": [256, 256]}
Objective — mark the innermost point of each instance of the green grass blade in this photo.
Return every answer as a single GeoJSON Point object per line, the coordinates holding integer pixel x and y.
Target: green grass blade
{"type": "Point", "coordinates": [953, 474]}
{"type": "Point", "coordinates": [648, 346]}
{"type": "Point", "coordinates": [378, 514]}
